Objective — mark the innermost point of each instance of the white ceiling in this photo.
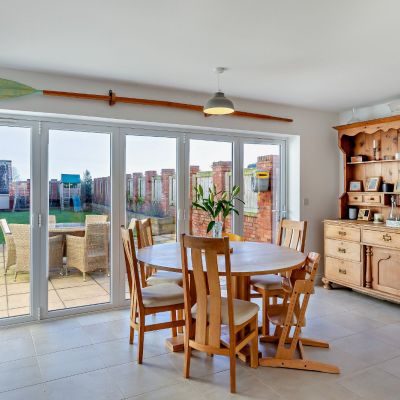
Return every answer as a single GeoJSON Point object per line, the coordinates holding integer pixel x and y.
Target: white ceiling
{"type": "Point", "coordinates": [322, 54]}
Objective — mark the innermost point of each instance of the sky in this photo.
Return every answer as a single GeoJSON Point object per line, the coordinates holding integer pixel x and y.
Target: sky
{"type": "Point", "coordinates": [72, 152]}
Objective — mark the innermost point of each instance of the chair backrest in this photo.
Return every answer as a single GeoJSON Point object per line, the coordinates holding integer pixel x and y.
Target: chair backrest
{"type": "Point", "coordinates": [205, 276]}
{"type": "Point", "coordinates": [96, 237]}
{"type": "Point", "coordinates": [144, 233]}
{"type": "Point", "coordinates": [4, 227]}
{"type": "Point", "coordinates": [95, 219]}
{"type": "Point", "coordinates": [132, 264]}
{"type": "Point", "coordinates": [21, 236]}
{"type": "Point", "coordinates": [233, 237]}
{"type": "Point", "coordinates": [52, 219]}
{"type": "Point", "coordinates": [292, 234]}
{"type": "Point", "coordinates": [132, 223]}
{"type": "Point", "coordinates": [299, 287]}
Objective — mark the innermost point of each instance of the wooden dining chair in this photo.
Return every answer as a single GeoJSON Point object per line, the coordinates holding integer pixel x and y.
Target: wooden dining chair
{"type": "Point", "coordinates": [206, 311]}
{"type": "Point", "coordinates": [150, 275]}
{"type": "Point", "coordinates": [290, 234]}
{"type": "Point", "coordinates": [290, 315]}
{"type": "Point", "coordinates": [149, 300]}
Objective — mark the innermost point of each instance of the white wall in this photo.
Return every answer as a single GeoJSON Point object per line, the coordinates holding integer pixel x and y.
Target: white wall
{"type": "Point", "coordinates": [317, 166]}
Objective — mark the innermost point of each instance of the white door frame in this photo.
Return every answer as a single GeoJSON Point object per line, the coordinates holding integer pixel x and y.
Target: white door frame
{"type": "Point", "coordinates": [35, 188]}
{"type": "Point", "coordinates": [115, 222]}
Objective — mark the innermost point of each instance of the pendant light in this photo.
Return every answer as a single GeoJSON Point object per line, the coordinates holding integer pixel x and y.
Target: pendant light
{"type": "Point", "coordinates": [219, 104]}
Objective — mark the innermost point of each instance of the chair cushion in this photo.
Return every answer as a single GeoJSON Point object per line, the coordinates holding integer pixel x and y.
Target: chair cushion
{"type": "Point", "coordinates": [267, 282]}
{"type": "Point", "coordinates": [242, 311]}
{"type": "Point", "coordinates": [164, 277]}
{"type": "Point", "coordinates": [164, 294]}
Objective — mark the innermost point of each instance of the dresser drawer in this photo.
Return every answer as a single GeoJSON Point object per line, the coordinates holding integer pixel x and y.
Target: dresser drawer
{"type": "Point", "coordinates": [344, 271]}
{"type": "Point", "coordinates": [342, 232]}
{"type": "Point", "coordinates": [381, 238]}
{"type": "Point", "coordinates": [355, 198]}
{"type": "Point", "coordinates": [344, 250]}
{"type": "Point", "coordinates": [372, 198]}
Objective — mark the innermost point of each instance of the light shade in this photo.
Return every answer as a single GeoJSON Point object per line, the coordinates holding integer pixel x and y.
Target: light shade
{"type": "Point", "coordinates": [219, 105]}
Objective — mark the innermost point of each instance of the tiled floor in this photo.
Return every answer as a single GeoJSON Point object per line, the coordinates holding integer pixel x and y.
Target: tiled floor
{"type": "Point", "coordinates": [88, 357]}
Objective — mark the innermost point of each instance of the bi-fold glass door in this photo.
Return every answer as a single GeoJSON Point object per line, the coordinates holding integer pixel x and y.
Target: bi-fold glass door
{"type": "Point", "coordinates": [66, 189]}
{"type": "Point", "coordinates": [263, 182]}
{"type": "Point", "coordinates": [19, 224]}
{"type": "Point", "coordinates": [152, 183]}
{"type": "Point", "coordinates": [77, 218]}
{"type": "Point", "coordinates": [256, 165]}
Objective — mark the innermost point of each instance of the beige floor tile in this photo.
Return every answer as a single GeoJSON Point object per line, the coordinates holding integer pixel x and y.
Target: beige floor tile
{"type": "Point", "coordinates": [373, 384]}
{"type": "Point", "coordinates": [3, 303]}
{"type": "Point", "coordinates": [4, 314]}
{"type": "Point", "coordinates": [106, 331]}
{"type": "Point", "coordinates": [3, 290]}
{"type": "Point", "coordinates": [14, 312]}
{"type": "Point", "coordinates": [54, 301]}
{"type": "Point", "coordinates": [18, 288]}
{"type": "Point", "coordinates": [69, 362]}
{"type": "Point", "coordinates": [35, 392]}
{"type": "Point", "coordinates": [81, 292]}
{"type": "Point", "coordinates": [134, 379]}
{"type": "Point", "coordinates": [368, 347]}
{"type": "Point", "coordinates": [19, 373]}
{"type": "Point", "coordinates": [87, 301]}
{"type": "Point", "coordinates": [92, 385]}
{"type": "Point", "coordinates": [56, 325]}
{"type": "Point", "coordinates": [18, 300]}
{"type": "Point", "coordinates": [392, 366]}
{"type": "Point", "coordinates": [62, 282]}
{"type": "Point", "coordinates": [16, 348]}
{"type": "Point", "coordinates": [50, 342]}
{"type": "Point", "coordinates": [22, 277]}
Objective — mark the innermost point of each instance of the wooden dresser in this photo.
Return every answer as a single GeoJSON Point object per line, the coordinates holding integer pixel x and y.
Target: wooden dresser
{"type": "Point", "coordinates": [360, 254]}
{"type": "Point", "coordinates": [363, 256]}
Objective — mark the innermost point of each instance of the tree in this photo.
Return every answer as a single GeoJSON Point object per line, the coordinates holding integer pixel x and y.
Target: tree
{"type": "Point", "coordinates": [86, 187]}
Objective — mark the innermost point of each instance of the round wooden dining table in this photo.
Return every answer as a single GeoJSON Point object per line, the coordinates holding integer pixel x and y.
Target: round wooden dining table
{"type": "Point", "coordinates": [247, 259]}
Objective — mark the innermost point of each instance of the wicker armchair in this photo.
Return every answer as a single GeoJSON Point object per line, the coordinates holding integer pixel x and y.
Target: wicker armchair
{"type": "Point", "coordinates": [9, 256]}
{"type": "Point", "coordinates": [95, 219]}
{"type": "Point", "coordinates": [52, 220]}
{"type": "Point", "coordinates": [21, 237]}
{"type": "Point", "coordinates": [91, 252]}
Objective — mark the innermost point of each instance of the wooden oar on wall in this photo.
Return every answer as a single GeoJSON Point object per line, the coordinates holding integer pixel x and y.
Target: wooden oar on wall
{"type": "Point", "coordinates": [10, 89]}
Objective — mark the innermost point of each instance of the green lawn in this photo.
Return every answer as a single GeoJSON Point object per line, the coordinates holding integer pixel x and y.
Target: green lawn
{"type": "Point", "coordinates": [22, 217]}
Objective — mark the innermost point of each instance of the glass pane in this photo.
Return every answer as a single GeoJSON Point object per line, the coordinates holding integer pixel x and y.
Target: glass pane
{"type": "Point", "coordinates": [151, 185]}
{"type": "Point", "coordinates": [79, 221]}
{"type": "Point", "coordinates": [261, 192]}
{"type": "Point", "coordinates": [210, 164]}
{"type": "Point", "coordinates": [15, 237]}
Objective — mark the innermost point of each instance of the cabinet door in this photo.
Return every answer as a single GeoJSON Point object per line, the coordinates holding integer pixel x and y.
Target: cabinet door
{"type": "Point", "coordinates": [386, 270]}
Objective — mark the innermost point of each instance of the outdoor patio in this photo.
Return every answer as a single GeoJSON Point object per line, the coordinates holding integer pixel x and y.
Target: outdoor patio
{"type": "Point", "coordinates": [64, 291]}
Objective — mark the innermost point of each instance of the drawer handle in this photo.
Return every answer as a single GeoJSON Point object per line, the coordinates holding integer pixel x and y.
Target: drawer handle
{"type": "Point", "coordinates": [342, 271]}
{"type": "Point", "coordinates": [372, 198]}
{"type": "Point", "coordinates": [341, 250]}
{"type": "Point", "coordinates": [355, 198]}
{"type": "Point", "coordinates": [342, 233]}
{"type": "Point", "coordinates": [386, 237]}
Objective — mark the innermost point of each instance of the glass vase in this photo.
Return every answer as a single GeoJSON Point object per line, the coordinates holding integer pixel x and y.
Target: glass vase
{"type": "Point", "coordinates": [217, 230]}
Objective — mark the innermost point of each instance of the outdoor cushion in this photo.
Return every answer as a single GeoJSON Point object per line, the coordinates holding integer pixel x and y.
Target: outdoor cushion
{"type": "Point", "coordinates": [267, 282]}
{"type": "Point", "coordinates": [242, 311]}
{"type": "Point", "coordinates": [165, 294]}
{"type": "Point", "coordinates": [164, 277]}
